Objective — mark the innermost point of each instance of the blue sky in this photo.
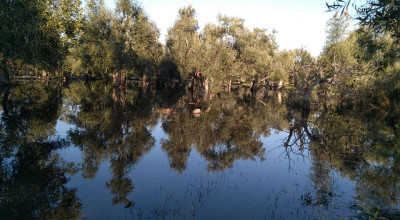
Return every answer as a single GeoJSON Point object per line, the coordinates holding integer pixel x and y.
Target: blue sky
{"type": "Point", "coordinates": [299, 23]}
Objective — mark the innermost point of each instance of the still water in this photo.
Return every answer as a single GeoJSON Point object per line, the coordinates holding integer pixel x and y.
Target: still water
{"type": "Point", "coordinates": [94, 151]}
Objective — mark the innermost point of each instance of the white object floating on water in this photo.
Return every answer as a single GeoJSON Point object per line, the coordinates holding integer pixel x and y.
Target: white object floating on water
{"type": "Point", "coordinates": [196, 112]}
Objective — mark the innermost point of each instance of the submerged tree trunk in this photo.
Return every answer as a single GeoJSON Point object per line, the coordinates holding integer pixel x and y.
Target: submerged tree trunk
{"type": "Point", "coordinates": [279, 97]}
{"type": "Point", "coordinates": [5, 102]}
{"type": "Point", "coordinates": [307, 99]}
{"type": "Point", "coordinates": [61, 71]}
{"type": "Point", "coordinates": [200, 89]}
{"type": "Point", "coordinates": [206, 83]}
{"type": "Point", "coordinates": [45, 74]}
{"type": "Point", "coordinates": [280, 85]}
{"type": "Point", "coordinates": [119, 78]}
{"type": "Point", "coordinates": [5, 72]}
{"type": "Point", "coordinates": [300, 130]}
{"type": "Point", "coordinates": [116, 79]}
{"type": "Point", "coordinates": [88, 86]}
{"type": "Point", "coordinates": [16, 68]}
{"type": "Point", "coordinates": [118, 95]}
{"type": "Point", "coordinates": [87, 76]}
{"type": "Point", "coordinates": [145, 80]}
{"type": "Point", "coordinates": [254, 87]}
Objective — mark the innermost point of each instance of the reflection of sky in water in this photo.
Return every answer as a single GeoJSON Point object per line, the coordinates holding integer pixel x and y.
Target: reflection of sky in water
{"type": "Point", "coordinates": [270, 189]}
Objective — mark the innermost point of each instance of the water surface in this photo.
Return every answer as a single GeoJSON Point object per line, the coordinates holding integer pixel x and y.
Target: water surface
{"type": "Point", "coordinates": [95, 151]}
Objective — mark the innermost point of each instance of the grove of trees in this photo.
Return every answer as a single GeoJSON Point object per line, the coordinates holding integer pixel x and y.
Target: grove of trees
{"type": "Point", "coordinates": [355, 79]}
{"type": "Point", "coordinates": [68, 38]}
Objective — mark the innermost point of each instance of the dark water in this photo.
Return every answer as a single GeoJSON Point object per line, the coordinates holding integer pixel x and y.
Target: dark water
{"type": "Point", "coordinates": [94, 151]}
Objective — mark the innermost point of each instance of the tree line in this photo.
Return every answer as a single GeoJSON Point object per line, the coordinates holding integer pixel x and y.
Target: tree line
{"type": "Point", "coordinates": [67, 38]}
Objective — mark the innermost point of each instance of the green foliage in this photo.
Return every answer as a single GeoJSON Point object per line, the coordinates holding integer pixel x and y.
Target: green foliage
{"type": "Point", "coordinates": [337, 29]}
{"type": "Point", "coordinates": [137, 36]}
{"type": "Point", "coordinates": [184, 42]}
{"type": "Point", "coordinates": [375, 46]}
{"type": "Point", "coordinates": [223, 52]}
{"type": "Point", "coordinates": [340, 56]}
{"type": "Point", "coordinates": [255, 49]}
{"type": "Point", "coordinates": [95, 49]}
{"type": "Point", "coordinates": [123, 41]}
{"type": "Point", "coordinates": [57, 34]}
{"type": "Point", "coordinates": [38, 32]}
{"type": "Point", "coordinates": [281, 64]}
{"type": "Point", "coordinates": [381, 15]}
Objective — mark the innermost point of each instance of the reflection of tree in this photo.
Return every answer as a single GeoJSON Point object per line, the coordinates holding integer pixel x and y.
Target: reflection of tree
{"type": "Point", "coordinates": [362, 149]}
{"type": "Point", "coordinates": [112, 124]}
{"type": "Point", "coordinates": [32, 184]}
{"type": "Point", "coordinates": [178, 145]}
{"type": "Point", "coordinates": [32, 176]}
{"type": "Point", "coordinates": [182, 129]}
{"type": "Point", "coordinates": [267, 113]}
{"type": "Point", "coordinates": [32, 110]}
{"type": "Point", "coordinates": [234, 139]}
{"type": "Point", "coordinates": [378, 178]}
{"type": "Point", "coordinates": [299, 132]}
{"type": "Point", "coordinates": [227, 129]}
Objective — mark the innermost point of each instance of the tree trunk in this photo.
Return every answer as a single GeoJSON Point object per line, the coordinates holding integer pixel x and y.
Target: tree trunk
{"type": "Point", "coordinates": [118, 95]}
{"type": "Point", "coordinates": [123, 79]}
{"type": "Point", "coordinates": [5, 102]}
{"type": "Point", "coordinates": [267, 85]}
{"type": "Point", "coordinates": [206, 84]}
{"type": "Point", "coordinates": [280, 85]}
{"type": "Point", "coordinates": [116, 78]}
{"type": "Point", "coordinates": [279, 97]}
{"type": "Point", "coordinates": [145, 80]}
{"type": "Point", "coordinates": [230, 86]}
{"type": "Point", "coordinates": [45, 74]}
{"type": "Point", "coordinates": [61, 71]}
{"type": "Point", "coordinates": [254, 87]}
{"type": "Point", "coordinates": [17, 68]}
{"type": "Point", "coordinates": [36, 72]}
{"type": "Point", "coordinates": [5, 72]}
{"type": "Point", "coordinates": [307, 99]}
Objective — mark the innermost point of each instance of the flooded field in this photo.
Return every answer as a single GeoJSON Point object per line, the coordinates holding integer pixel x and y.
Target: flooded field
{"type": "Point", "coordinates": [95, 151]}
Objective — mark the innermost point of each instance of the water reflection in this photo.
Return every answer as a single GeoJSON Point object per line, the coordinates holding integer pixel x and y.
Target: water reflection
{"type": "Point", "coordinates": [32, 177]}
{"type": "Point", "coordinates": [115, 125]}
{"type": "Point", "coordinates": [112, 124]}
{"type": "Point", "coordinates": [352, 142]}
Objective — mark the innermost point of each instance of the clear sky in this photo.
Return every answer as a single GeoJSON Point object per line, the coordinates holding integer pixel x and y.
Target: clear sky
{"type": "Point", "coordinates": [299, 23]}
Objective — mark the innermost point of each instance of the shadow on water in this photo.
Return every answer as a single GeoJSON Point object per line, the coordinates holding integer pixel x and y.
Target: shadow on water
{"type": "Point", "coordinates": [218, 147]}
